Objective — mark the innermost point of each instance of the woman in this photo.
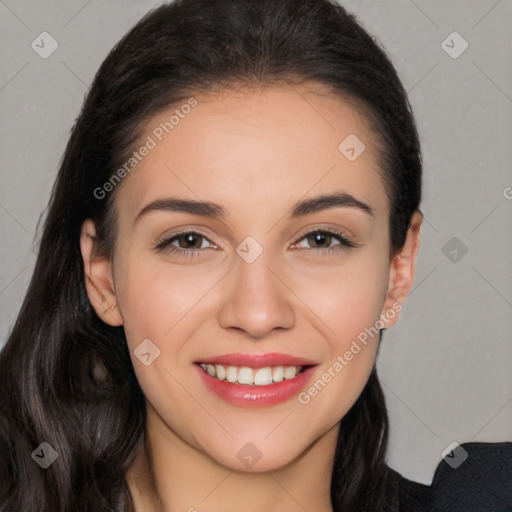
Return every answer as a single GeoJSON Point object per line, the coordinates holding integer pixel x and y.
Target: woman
{"type": "Point", "coordinates": [234, 224]}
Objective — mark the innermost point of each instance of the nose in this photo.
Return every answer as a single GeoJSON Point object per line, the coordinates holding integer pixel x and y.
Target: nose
{"type": "Point", "coordinates": [256, 299]}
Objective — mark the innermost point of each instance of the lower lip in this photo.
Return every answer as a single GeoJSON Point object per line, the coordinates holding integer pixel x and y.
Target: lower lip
{"type": "Point", "coordinates": [256, 396]}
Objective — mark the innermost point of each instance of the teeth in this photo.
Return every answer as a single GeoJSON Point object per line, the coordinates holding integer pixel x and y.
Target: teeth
{"type": "Point", "coordinates": [245, 376]}
{"type": "Point", "coordinates": [249, 376]}
{"type": "Point", "coordinates": [231, 374]}
{"type": "Point", "coordinates": [263, 377]}
{"type": "Point", "coordinates": [289, 372]}
{"type": "Point", "coordinates": [221, 372]}
{"type": "Point", "coordinates": [278, 374]}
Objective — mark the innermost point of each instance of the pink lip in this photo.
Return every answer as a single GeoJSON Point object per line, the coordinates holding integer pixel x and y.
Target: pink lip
{"type": "Point", "coordinates": [257, 360]}
{"type": "Point", "coordinates": [256, 396]}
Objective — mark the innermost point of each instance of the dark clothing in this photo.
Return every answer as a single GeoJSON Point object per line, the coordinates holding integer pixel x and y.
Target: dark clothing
{"type": "Point", "coordinates": [481, 483]}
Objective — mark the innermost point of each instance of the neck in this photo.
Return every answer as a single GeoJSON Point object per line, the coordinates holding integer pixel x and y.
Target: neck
{"type": "Point", "coordinates": [169, 475]}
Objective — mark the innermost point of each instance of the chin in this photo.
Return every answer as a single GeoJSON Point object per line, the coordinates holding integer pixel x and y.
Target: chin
{"type": "Point", "coordinates": [268, 461]}
{"type": "Point", "coordinates": [254, 457]}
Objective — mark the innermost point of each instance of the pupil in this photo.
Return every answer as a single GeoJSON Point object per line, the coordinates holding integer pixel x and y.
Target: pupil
{"type": "Point", "coordinates": [319, 236]}
{"type": "Point", "coordinates": [189, 239]}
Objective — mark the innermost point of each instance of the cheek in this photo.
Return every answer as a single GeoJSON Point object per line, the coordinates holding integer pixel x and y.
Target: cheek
{"type": "Point", "coordinates": [346, 299]}
{"type": "Point", "coordinates": [348, 302]}
{"type": "Point", "coordinates": [154, 296]}
{"type": "Point", "coordinates": [161, 304]}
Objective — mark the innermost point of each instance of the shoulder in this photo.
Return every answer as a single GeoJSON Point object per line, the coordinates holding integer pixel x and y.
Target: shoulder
{"type": "Point", "coordinates": [481, 482]}
{"type": "Point", "coordinates": [473, 477]}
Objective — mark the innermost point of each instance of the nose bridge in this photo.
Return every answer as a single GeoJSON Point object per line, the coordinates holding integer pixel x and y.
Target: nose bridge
{"type": "Point", "coordinates": [257, 301]}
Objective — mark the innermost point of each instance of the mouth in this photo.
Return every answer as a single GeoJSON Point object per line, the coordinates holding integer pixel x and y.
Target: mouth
{"type": "Point", "coordinates": [255, 380]}
{"type": "Point", "coordinates": [248, 376]}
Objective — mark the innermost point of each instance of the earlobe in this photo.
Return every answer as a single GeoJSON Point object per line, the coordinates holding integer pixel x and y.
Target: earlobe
{"type": "Point", "coordinates": [98, 277]}
{"type": "Point", "coordinates": [401, 272]}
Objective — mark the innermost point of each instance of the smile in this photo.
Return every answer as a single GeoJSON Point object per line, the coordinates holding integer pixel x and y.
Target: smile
{"type": "Point", "coordinates": [255, 380]}
{"type": "Point", "coordinates": [248, 376]}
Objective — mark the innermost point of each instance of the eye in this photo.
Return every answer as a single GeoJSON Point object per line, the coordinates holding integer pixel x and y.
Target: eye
{"type": "Point", "coordinates": [189, 243]}
{"type": "Point", "coordinates": [324, 238]}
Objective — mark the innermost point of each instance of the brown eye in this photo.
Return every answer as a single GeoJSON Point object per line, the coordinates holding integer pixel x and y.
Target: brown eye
{"type": "Point", "coordinates": [190, 240]}
{"type": "Point", "coordinates": [189, 243]}
{"type": "Point", "coordinates": [322, 240]}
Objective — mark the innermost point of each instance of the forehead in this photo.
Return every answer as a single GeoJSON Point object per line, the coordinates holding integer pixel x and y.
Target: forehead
{"type": "Point", "coordinates": [257, 150]}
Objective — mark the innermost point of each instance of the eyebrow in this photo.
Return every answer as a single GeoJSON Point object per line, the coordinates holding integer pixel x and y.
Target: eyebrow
{"type": "Point", "coordinates": [216, 211]}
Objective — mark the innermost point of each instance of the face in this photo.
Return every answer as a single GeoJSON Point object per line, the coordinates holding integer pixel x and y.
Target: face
{"type": "Point", "coordinates": [253, 318]}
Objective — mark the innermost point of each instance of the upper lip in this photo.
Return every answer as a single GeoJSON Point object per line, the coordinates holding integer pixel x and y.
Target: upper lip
{"type": "Point", "coordinates": [257, 360]}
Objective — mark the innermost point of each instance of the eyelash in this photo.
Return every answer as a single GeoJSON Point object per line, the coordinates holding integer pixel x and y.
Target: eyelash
{"type": "Point", "coordinates": [165, 243]}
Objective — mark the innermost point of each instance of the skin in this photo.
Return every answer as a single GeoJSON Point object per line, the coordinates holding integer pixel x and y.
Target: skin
{"type": "Point", "coordinates": [256, 153]}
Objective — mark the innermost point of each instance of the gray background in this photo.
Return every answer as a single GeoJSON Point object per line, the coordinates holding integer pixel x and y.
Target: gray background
{"type": "Point", "coordinates": [446, 365]}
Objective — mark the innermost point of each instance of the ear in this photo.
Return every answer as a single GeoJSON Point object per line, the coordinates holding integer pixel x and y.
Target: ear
{"type": "Point", "coordinates": [401, 273]}
{"type": "Point", "coordinates": [98, 277]}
